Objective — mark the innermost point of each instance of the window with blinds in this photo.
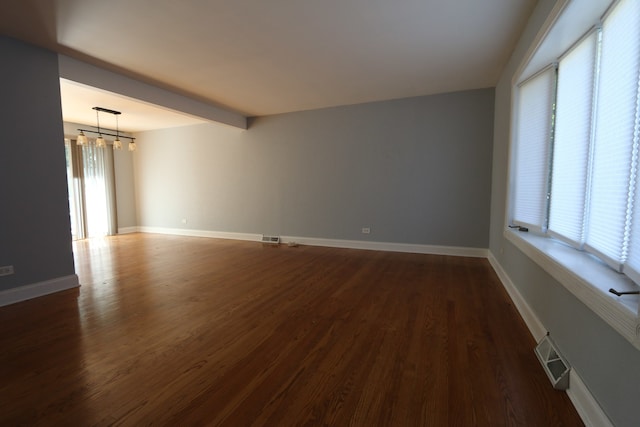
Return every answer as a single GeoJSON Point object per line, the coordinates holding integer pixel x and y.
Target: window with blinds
{"type": "Point", "coordinates": [576, 173]}
{"type": "Point", "coordinates": [534, 135]}
{"type": "Point", "coordinates": [573, 142]}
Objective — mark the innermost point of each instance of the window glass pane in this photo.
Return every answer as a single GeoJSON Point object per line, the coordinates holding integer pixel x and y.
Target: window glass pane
{"type": "Point", "coordinates": [572, 141]}
{"type": "Point", "coordinates": [536, 97]}
{"type": "Point", "coordinates": [615, 121]}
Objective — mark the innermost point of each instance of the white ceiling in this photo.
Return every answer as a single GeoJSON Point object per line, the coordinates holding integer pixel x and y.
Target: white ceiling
{"type": "Point", "coordinates": [262, 57]}
{"type": "Point", "coordinates": [78, 101]}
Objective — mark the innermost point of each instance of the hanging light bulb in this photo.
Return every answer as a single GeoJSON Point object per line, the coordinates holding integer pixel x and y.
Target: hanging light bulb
{"type": "Point", "coordinates": [100, 142]}
{"type": "Point", "coordinates": [117, 144]}
{"type": "Point", "coordinates": [82, 139]}
{"type": "Point", "coordinates": [132, 145]}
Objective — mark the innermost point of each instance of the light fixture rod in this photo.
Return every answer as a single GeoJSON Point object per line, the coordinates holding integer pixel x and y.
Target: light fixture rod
{"type": "Point", "coordinates": [101, 129]}
{"type": "Point", "coordinates": [106, 110]}
{"type": "Point", "coordinates": [98, 120]}
{"type": "Point", "coordinates": [103, 133]}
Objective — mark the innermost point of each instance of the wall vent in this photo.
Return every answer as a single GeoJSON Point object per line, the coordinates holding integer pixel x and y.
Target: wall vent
{"type": "Point", "coordinates": [554, 364]}
{"type": "Point", "coordinates": [273, 240]}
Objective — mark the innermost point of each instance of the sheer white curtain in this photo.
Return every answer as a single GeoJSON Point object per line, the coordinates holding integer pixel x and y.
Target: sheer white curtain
{"type": "Point", "coordinates": [92, 199]}
{"type": "Point", "coordinates": [75, 188]}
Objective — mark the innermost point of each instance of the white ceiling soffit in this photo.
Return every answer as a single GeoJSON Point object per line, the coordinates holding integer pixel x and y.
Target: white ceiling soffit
{"type": "Point", "coordinates": [264, 57]}
{"type": "Point", "coordinates": [78, 101]}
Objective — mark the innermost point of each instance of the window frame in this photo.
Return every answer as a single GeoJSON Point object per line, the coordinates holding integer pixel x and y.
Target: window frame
{"type": "Point", "coordinates": [584, 275]}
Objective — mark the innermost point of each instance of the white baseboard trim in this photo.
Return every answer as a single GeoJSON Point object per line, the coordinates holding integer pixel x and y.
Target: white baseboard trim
{"type": "Point", "coordinates": [331, 243]}
{"type": "Point", "coordinates": [586, 405]}
{"type": "Point", "coordinates": [588, 409]}
{"type": "Point", "coordinates": [534, 324]}
{"type": "Point", "coordinates": [201, 233]}
{"type": "Point", "coordinates": [390, 247]}
{"type": "Point", "coordinates": [34, 290]}
{"type": "Point", "coordinates": [127, 230]}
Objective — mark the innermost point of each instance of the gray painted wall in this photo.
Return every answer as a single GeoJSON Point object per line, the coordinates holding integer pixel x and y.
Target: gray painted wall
{"type": "Point", "coordinates": [414, 170]}
{"type": "Point", "coordinates": [125, 187]}
{"type": "Point", "coordinates": [35, 235]}
{"type": "Point", "coordinates": [607, 363]}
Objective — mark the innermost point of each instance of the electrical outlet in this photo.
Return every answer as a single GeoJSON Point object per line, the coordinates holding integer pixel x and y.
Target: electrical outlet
{"type": "Point", "coordinates": [184, 220]}
{"type": "Point", "coordinates": [366, 230]}
{"type": "Point", "coordinates": [6, 270]}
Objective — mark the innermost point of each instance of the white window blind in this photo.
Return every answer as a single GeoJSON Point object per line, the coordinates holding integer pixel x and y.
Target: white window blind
{"type": "Point", "coordinates": [629, 24]}
{"type": "Point", "coordinates": [614, 155]}
{"type": "Point", "coordinates": [532, 154]}
{"type": "Point", "coordinates": [572, 141]}
{"type": "Point", "coordinates": [576, 166]}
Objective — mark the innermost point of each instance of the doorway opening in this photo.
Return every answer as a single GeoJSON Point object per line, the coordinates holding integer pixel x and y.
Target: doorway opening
{"type": "Point", "coordinates": [91, 184]}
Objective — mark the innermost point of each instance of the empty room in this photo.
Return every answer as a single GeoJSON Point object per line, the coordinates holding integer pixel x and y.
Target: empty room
{"type": "Point", "coordinates": [320, 213]}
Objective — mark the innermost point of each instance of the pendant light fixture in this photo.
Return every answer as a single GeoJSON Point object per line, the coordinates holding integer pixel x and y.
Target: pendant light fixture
{"type": "Point", "coordinates": [100, 142]}
{"type": "Point", "coordinates": [117, 144]}
{"type": "Point", "coordinates": [82, 139]}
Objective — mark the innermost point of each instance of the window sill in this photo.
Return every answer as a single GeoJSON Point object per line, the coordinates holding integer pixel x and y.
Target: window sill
{"type": "Point", "coordinates": [587, 278]}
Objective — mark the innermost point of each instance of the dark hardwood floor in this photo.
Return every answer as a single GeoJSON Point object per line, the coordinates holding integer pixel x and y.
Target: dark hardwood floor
{"type": "Point", "coordinates": [184, 331]}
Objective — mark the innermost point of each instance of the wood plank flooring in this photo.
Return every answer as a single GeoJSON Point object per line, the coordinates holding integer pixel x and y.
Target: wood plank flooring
{"type": "Point", "coordinates": [183, 331]}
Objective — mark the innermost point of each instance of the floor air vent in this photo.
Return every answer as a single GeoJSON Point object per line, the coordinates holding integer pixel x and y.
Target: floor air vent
{"type": "Point", "coordinates": [274, 240]}
{"type": "Point", "coordinates": [554, 365]}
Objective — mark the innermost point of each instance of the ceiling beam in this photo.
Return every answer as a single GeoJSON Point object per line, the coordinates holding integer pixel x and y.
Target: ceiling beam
{"type": "Point", "coordinates": [91, 75]}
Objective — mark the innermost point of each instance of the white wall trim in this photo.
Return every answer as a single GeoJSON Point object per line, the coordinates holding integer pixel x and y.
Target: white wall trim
{"type": "Point", "coordinates": [534, 324]}
{"type": "Point", "coordinates": [586, 405]}
{"type": "Point", "coordinates": [331, 243]}
{"type": "Point", "coordinates": [390, 247]}
{"type": "Point", "coordinates": [201, 233]}
{"type": "Point", "coordinates": [34, 290]}
{"type": "Point", "coordinates": [127, 230]}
